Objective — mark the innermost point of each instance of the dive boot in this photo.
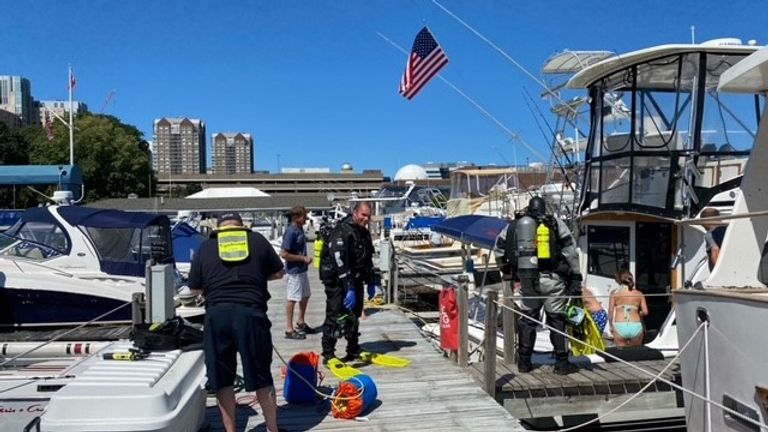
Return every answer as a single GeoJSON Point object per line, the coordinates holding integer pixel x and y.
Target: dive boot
{"type": "Point", "coordinates": [524, 366]}
{"type": "Point", "coordinates": [565, 368]}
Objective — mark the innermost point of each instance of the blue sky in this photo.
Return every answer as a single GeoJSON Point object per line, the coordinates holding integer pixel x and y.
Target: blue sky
{"type": "Point", "coordinates": [315, 84]}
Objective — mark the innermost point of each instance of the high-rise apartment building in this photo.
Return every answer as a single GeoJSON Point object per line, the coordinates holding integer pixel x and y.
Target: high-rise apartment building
{"type": "Point", "coordinates": [16, 97]}
{"type": "Point", "coordinates": [232, 153]}
{"type": "Point", "coordinates": [179, 146]}
{"type": "Point", "coordinates": [60, 108]}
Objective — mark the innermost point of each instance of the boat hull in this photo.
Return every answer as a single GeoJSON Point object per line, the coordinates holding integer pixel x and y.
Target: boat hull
{"type": "Point", "coordinates": [736, 357]}
{"type": "Point", "coordinates": [26, 307]}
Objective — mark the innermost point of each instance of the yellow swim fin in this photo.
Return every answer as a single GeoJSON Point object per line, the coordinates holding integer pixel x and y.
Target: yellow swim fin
{"type": "Point", "coordinates": [340, 369]}
{"type": "Point", "coordinates": [385, 360]}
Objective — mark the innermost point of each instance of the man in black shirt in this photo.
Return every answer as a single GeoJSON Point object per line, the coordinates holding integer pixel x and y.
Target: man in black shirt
{"type": "Point", "coordinates": [346, 266]}
{"type": "Point", "coordinates": [231, 270]}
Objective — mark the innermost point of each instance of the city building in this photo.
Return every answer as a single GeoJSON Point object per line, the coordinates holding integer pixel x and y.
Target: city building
{"type": "Point", "coordinates": [339, 184]}
{"type": "Point", "coordinates": [232, 153]}
{"type": "Point", "coordinates": [59, 108]}
{"type": "Point", "coordinates": [16, 98]}
{"type": "Point", "coordinates": [442, 170]}
{"type": "Point", "coordinates": [10, 119]}
{"type": "Point", "coordinates": [179, 147]}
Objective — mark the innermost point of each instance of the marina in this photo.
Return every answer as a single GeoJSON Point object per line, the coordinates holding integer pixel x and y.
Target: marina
{"type": "Point", "coordinates": [602, 265]}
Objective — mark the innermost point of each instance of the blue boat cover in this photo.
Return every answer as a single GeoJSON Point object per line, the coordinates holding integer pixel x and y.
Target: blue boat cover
{"type": "Point", "coordinates": [421, 222]}
{"type": "Point", "coordinates": [9, 217]}
{"type": "Point", "coordinates": [186, 241]}
{"type": "Point", "coordinates": [479, 230]}
{"type": "Point", "coordinates": [107, 218]}
{"type": "Point", "coordinates": [124, 240]}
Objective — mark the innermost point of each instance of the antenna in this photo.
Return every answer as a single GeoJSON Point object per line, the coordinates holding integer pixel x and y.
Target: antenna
{"type": "Point", "coordinates": [693, 34]}
{"type": "Point", "coordinates": [107, 100]}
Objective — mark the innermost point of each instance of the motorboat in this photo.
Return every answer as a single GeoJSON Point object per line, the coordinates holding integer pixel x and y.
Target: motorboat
{"type": "Point", "coordinates": [664, 144]}
{"type": "Point", "coordinates": [77, 386]}
{"type": "Point", "coordinates": [723, 374]}
{"type": "Point", "coordinates": [64, 264]}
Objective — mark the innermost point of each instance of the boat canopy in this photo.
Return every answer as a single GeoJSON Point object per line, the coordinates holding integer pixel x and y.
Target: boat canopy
{"type": "Point", "coordinates": [124, 241]}
{"type": "Point", "coordinates": [610, 65]}
{"type": "Point", "coordinates": [663, 140]}
{"type": "Point", "coordinates": [108, 218]}
{"type": "Point", "coordinates": [476, 229]}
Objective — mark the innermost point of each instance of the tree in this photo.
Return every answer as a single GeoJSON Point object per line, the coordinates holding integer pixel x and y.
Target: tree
{"type": "Point", "coordinates": [14, 150]}
{"type": "Point", "coordinates": [192, 188]}
{"type": "Point", "coordinates": [114, 156]}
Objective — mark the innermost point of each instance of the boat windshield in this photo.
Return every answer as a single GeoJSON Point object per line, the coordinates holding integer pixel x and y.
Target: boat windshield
{"type": "Point", "coordinates": [655, 124]}
{"type": "Point", "coordinates": [420, 196]}
{"type": "Point", "coordinates": [34, 240]}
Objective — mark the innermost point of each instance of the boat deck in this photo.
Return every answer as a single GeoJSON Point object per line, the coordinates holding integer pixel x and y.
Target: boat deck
{"type": "Point", "coordinates": [432, 393]}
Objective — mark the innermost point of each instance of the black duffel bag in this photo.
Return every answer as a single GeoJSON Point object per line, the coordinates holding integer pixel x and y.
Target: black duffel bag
{"type": "Point", "coordinates": [173, 333]}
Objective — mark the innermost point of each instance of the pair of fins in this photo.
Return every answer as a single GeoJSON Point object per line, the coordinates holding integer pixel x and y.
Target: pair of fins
{"type": "Point", "coordinates": [343, 371]}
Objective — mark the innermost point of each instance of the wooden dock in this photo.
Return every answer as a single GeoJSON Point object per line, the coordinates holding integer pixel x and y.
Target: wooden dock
{"type": "Point", "coordinates": [594, 390]}
{"type": "Point", "coordinates": [433, 393]}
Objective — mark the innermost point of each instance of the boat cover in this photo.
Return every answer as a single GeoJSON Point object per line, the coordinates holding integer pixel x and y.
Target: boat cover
{"type": "Point", "coordinates": [479, 230]}
{"type": "Point", "coordinates": [108, 218]}
{"type": "Point", "coordinates": [186, 241]}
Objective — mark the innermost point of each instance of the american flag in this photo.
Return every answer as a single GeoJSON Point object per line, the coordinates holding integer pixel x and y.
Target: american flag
{"type": "Point", "coordinates": [425, 61]}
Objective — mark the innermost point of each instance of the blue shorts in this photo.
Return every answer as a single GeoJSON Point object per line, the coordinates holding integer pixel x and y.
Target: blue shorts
{"type": "Point", "coordinates": [230, 329]}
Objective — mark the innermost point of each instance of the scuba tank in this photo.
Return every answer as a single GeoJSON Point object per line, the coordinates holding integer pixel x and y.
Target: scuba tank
{"type": "Point", "coordinates": [318, 248]}
{"type": "Point", "coordinates": [527, 259]}
{"type": "Point", "coordinates": [543, 234]}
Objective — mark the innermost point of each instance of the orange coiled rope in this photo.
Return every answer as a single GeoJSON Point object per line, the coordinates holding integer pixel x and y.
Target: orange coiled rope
{"type": "Point", "coordinates": [347, 402]}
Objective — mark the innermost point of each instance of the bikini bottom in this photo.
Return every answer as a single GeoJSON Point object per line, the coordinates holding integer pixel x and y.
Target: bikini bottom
{"type": "Point", "coordinates": [628, 330]}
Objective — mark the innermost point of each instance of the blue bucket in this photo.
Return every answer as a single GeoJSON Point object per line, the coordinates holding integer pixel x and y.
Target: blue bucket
{"type": "Point", "coordinates": [369, 390]}
{"type": "Point", "coordinates": [296, 390]}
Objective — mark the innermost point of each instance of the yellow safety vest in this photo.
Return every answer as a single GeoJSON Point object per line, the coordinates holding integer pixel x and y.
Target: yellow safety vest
{"type": "Point", "coordinates": [233, 244]}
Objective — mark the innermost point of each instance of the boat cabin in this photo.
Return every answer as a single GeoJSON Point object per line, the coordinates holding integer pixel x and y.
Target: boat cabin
{"type": "Point", "coordinates": [663, 145]}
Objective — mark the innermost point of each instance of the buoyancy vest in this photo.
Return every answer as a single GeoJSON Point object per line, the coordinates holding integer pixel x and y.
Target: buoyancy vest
{"type": "Point", "coordinates": [233, 244]}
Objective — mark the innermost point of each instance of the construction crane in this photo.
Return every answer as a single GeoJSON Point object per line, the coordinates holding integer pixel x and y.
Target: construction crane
{"type": "Point", "coordinates": [107, 101]}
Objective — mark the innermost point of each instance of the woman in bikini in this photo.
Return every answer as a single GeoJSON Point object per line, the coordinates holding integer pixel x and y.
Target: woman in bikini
{"type": "Point", "coordinates": [627, 308]}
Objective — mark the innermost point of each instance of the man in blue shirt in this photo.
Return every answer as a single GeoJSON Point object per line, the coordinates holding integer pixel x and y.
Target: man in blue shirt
{"type": "Point", "coordinates": [294, 252]}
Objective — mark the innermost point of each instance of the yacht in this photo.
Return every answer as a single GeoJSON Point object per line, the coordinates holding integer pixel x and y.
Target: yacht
{"type": "Point", "coordinates": [723, 372]}
{"type": "Point", "coordinates": [63, 265]}
{"type": "Point", "coordinates": [664, 144]}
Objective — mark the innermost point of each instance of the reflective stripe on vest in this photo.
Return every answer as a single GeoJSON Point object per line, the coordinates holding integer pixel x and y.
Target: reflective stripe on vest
{"type": "Point", "coordinates": [233, 244]}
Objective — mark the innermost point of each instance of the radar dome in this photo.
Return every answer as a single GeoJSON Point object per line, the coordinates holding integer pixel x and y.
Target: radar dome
{"type": "Point", "coordinates": [346, 167]}
{"type": "Point", "coordinates": [411, 172]}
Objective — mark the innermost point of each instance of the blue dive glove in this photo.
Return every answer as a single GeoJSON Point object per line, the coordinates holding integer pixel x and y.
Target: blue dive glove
{"type": "Point", "coordinates": [349, 299]}
{"type": "Point", "coordinates": [372, 288]}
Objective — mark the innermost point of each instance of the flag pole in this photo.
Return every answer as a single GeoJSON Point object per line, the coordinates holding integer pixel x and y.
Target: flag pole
{"type": "Point", "coordinates": [71, 124]}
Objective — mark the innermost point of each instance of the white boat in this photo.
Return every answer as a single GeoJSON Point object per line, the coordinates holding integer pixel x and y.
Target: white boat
{"type": "Point", "coordinates": [62, 265]}
{"type": "Point", "coordinates": [69, 386]}
{"type": "Point", "coordinates": [663, 145]}
{"type": "Point", "coordinates": [724, 365]}
{"type": "Point", "coordinates": [666, 146]}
